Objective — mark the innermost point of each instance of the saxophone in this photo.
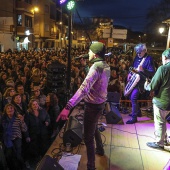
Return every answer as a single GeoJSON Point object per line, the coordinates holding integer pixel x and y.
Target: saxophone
{"type": "Point", "coordinates": [133, 80]}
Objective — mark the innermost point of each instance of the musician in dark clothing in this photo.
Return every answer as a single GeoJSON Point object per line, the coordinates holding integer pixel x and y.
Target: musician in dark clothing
{"type": "Point", "coordinates": [144, 65]}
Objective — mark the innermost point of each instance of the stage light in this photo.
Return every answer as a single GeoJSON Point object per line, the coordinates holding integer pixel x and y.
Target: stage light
{"type": "Point", "coordinates": [70, 5]}
{"type": "Point", "coordinates": [62, 1]}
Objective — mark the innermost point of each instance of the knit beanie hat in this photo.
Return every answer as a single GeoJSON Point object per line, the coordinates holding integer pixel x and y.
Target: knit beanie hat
{"type": "Point", "coordinates": [98, 48]}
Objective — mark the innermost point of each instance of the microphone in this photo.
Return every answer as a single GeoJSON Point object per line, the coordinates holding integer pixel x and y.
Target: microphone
{"type": "Point", "coordinates": [85, 56]}
{"type": "Point", "coordinates": [108, 54]}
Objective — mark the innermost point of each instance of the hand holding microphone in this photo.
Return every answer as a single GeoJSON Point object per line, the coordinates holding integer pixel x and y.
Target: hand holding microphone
{"type": "Point", "coordinates": [84, 56]}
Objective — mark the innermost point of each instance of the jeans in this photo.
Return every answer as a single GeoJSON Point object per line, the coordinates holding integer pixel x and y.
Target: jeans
{"type": "Point", "coordinates": [134, 97]}
{"type": "Point", "coordinates": [92, 112]}
{"type": "Point", "coordinates": [160, 125]}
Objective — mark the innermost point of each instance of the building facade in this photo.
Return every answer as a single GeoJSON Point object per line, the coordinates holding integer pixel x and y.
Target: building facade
{"type": "Point", "coordinates": [22, 26]}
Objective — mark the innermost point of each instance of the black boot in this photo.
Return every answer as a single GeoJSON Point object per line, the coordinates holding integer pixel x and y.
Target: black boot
{"type": "Point", "coordinates": [132, 121]}
{"type": "Point", "coordinates": [138, 115]}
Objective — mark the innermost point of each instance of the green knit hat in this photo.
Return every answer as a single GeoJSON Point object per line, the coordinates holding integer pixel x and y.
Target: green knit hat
{"type": "Point", "coordinates": [98, 48]}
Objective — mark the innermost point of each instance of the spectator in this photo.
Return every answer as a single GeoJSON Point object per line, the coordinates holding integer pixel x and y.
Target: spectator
{"type": "Point", "coordinates": [38, 95]}
{"type": "Point", "coordinates": [21, 107]}
{"type": "Point", "coordinates": [36, 75]}
{"type": "Point", "coordinates": [3, 77]}
{"type": "Point", "coordinates": [53, 110]}
{"type": "Point", "coordinates": [7, 97]}
{"type": "Point", "coordinates": [37, 120]}
{"type": "Point", "coordinates": [13, 126]}
{"type": "Point", "coordinates": [24, 95]}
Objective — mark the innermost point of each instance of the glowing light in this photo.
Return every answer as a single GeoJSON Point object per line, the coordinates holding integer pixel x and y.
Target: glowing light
{"type": "Point", "coordinates": [62, 1]}
{"type": "Point", "coordinates": [36, 9]}
{"type": "Point", "coordinates": [161, 30]}
{"type": "Point", "coordinates": [70, 5]}
{"type": "Point", "coordinates": [27, 32]}
{"type": "Point", "coordinates": [26, 40]}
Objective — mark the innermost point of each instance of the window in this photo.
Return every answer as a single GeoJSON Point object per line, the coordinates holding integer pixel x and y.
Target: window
{"type": "Point", "coordinates": [28, 1]}
{"type": "Point", "coordinates": [47, 27]}
{"type": "Point", "coordinates": [52, 30]}
{"type": "Point", "coordinates": [46, 9]}
{"type": "Point", "coordinates": [19, 20]}
{"type": "Point", "coordinates": [28, 21]}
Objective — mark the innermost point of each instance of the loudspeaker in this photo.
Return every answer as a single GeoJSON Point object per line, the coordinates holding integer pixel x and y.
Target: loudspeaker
{"type": "Point", "coordinates": [73, 132]}
{"type": "Point", "coordinates": [113, 116]}
{"type": "Point", "coordinates": [49, 163]}
{"type": "Point", "coordinates": [56, 77]}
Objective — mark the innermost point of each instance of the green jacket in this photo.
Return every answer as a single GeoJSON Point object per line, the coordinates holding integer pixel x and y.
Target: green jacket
{"type": "Point", "coordinates": [160, 84]}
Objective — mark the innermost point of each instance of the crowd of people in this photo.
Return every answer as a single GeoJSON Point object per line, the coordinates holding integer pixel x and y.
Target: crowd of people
{"type": "Point", "coordinates": [28, 110]}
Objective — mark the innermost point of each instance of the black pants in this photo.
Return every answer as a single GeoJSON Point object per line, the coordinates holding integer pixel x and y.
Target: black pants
{"type": "Point", "coordinates": [135, 106]}
{"type": "Point", "coordinates": [13, 155]}
{"type": "Point", "coordinates": [91, 116]}
{"type": "Point", "coordinates": [37, 147]}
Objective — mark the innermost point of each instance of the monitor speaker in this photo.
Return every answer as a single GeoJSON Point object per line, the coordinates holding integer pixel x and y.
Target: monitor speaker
{"type": "Point", "coordinates": [73, 132]}
{"type": "Point", "coordinates": [113, 116]}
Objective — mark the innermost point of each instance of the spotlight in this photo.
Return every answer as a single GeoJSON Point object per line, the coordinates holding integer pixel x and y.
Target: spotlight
{"type": "Point", "coordinates": [62, 1]}
{"type": "Point", "coordinates": [70, 5]}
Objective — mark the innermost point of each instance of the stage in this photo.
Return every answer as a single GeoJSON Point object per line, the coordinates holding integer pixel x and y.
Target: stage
{"type": "Point", "coordinates": [125, 146]}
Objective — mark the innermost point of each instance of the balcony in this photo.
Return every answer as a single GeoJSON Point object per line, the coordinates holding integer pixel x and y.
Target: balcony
{"type": "Point", "coordinates": [23, 6]}
{"type": "Point", "coordinates": [6, 28]}
{"type": "Point", "coordinates": [21, 30]}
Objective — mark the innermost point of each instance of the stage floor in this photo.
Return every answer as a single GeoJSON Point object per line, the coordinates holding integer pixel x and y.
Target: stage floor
{"type": "Point", "coordinates": [125, 146]}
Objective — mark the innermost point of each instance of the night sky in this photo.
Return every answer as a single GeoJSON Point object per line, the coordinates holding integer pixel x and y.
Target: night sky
{"type": "Point", "coordinates": [128, 13]}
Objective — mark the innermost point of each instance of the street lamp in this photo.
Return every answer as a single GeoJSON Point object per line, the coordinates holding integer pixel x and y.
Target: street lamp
{"type": "Point", "coordinates": [161, 31]}
{"type": "Point", "coordinates": [36, 9]}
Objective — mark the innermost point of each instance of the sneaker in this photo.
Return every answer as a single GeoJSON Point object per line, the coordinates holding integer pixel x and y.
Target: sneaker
{"type": "Point", "coordinates": [154, 145]}
{"type": "Point", "coordinates": [132, 121]}
{"type": "Point", "coordinates": [166, 143]}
